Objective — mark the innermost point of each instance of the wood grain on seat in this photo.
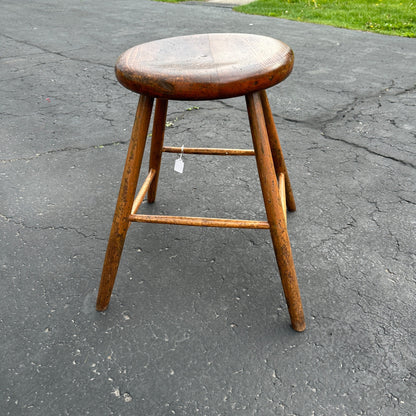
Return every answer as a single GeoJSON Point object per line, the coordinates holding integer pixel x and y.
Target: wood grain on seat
{"type": "Point", "coordinates": [204, 67]}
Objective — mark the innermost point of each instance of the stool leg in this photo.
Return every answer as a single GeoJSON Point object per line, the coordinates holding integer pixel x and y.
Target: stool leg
{"type": "Point", "coordinates": [278, 159]}
{"type": "Point", "coordinates": [274, 210]}
{"type": "Point", "coordinates": [158, 133]}
{"type": "Point", "coordinates": [125, 201]}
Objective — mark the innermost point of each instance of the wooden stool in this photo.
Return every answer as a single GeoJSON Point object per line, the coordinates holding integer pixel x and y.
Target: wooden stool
{"type": "Point", "coordinates": [206, 67]}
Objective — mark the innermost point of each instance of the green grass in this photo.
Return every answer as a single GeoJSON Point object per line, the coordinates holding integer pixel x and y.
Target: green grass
{"type": "Point", "coordinates": [175, 1]}
{"type": "Point", "coordinates": [390, 17]}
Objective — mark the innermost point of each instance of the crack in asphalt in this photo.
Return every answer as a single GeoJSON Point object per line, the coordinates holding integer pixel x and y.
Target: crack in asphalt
{"type": "Point", "coordinates": [66, 149]}
{"type": "Point", "coordinates": [49, 227]}
{"type": "Point", "coordinates": [61, 54]}
{"type": "Point", "coordinates": [367, 149]}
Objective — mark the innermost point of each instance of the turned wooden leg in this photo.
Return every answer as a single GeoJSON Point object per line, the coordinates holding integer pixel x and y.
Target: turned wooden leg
{"type": "Point", "coordinates": [158, 133]}
{"type": "Point", "coordinates": [278, 159]}
{"type": "Point", "coordinates": [125, 201]}
{"type": "Point", "coordinates": [274, 210]}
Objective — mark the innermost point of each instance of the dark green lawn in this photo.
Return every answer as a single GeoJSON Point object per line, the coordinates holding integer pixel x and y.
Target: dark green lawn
{"type": "Point", "coordinates": [391, 17]}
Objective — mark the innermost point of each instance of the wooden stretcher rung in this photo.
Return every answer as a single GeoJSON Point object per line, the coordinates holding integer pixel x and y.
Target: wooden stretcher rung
{"type": "Point", "coordinates": [282, 193]}
{"type": "Point", "coordinates": [209, 151]}
{"type": "Point", "coordinates": [143, 190]}
{"type": "Point", "coordinates": [199, 221]}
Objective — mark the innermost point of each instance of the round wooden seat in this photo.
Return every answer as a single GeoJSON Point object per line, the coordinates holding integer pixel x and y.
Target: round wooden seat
{"type": "Point", "coordinates": [204, 67]}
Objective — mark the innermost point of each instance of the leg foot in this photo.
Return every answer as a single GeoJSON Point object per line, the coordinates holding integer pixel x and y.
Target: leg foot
{"type": "Point", "coordinates": [274, 210]}
{"type": "Point", "coordinates": [125, 201]}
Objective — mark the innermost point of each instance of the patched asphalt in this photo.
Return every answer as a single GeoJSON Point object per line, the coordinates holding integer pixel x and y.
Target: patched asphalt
{"type": "Point", "coordinates": [197, 324]}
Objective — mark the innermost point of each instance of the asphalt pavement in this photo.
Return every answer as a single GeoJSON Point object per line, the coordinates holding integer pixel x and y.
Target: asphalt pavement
{"type": "Point", "coordinates": [197, 324]}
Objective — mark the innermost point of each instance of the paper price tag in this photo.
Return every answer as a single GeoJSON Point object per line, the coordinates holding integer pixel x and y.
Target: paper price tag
{"type": "Point", "coordinates": [179, 165]}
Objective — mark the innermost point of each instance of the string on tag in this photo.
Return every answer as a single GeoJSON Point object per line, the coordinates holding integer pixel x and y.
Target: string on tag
{"type": "Point", "coordinates": [179, 164]}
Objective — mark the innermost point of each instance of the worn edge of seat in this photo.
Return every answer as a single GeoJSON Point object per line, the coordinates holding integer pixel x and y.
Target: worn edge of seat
{"type": "Point", "coordinates": [196, 91]}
